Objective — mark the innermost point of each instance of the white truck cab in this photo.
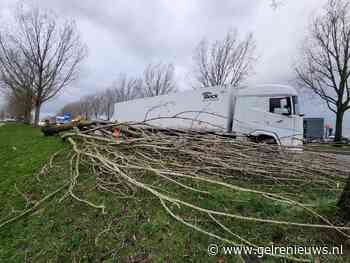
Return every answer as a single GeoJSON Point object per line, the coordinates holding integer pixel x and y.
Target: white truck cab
{"type": "Point", "coordinates": [264, 113]}
{"type": "Point", "coordinates": [273, 113]}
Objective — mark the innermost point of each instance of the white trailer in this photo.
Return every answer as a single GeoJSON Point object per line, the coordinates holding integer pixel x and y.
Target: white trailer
{"type": "Point", "coordinates": [265, 113]}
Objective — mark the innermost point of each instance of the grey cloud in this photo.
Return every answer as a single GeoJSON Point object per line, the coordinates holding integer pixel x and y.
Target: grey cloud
{"type": "Point", "coordinates": [161, 29]}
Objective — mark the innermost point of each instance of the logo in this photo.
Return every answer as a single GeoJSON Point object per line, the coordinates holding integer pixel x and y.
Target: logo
{"type": "Point", "coordinates": [213, 250]}
{"type": "Point", "coordinates": [210, 96]}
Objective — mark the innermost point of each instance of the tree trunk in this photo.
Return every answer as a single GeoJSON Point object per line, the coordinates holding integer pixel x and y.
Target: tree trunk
{"type": "Point", "coordinates": [109, 113]}
{"type": "Point", "coordinates": [343, 206]}
{"type": "Point", "coordinates": [339, 126]}
{"type": "Point", "coordinates": [27, 114]}
{"type": "Point", "coordinates": [37, 115]}
{"type": "Point", "coordinates": [28, 107]}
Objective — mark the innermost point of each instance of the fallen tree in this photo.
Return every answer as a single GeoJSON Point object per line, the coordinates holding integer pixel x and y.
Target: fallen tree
{"type": "Point", "coordinates": [141, 157]}
{"type": "Point", "coordinates": [187, 170]}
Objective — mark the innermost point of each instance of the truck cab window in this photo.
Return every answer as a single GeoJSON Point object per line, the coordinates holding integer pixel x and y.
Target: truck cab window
{"type": "Point", "coordinates": [282, 106]}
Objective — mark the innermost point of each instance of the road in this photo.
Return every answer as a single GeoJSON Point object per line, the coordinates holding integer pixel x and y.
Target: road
{"type": "Point", "coordinates": [343, 157]}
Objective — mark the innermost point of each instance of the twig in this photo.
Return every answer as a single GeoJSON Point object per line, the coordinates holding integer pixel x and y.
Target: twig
{"type": "Point", "coordinates": [34, 207]}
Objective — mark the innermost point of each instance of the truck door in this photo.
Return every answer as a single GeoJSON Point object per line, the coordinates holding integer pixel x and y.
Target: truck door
{"type": "Point", "coordinates": [280, 120]}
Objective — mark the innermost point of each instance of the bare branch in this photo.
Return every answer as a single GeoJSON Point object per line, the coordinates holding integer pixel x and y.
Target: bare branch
{"type": "Point", "coordinates": [50, 51]}
{"type": "Point", "coordinates": [226, 62]}
{"type": "Point", "coordinates": [158, 80]}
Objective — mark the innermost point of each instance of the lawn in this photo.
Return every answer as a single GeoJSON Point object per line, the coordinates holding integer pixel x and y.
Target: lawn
{"type": "Point", "coordinates": [67, 231]}
{"type": "Point", "coordinates": [133, 229]}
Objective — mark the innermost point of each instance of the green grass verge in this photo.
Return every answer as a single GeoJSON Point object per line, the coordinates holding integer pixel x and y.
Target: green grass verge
{"type": "Point", "coordinates": [136, 229]}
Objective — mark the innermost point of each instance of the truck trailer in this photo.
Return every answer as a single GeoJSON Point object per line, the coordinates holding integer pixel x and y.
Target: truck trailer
{"type": "Point", "coordinates": [264, 113]}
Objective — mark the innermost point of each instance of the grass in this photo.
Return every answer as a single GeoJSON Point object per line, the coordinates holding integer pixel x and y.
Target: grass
{"type": "Point", "coordinates": [133, 230]}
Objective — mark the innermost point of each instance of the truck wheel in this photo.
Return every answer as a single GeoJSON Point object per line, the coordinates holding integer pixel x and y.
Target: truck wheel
{"type": "Point", "coordinates": [265, 139]}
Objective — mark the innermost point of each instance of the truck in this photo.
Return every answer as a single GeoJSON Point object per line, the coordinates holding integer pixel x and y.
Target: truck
{"type": "Point", "coordinates": [262, 113]}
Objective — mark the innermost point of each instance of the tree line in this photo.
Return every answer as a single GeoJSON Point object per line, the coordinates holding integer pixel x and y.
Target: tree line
{"type": "Point", "coordinates": [157, 79]}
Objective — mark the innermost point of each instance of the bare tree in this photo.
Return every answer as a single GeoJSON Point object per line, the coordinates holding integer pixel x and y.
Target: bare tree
{"type": "Point", "coordinates": [85, 108]}
{"type": "Point", "coordinates": [51, 50]}
{"type": "Point", "coordinates": [17, 106]}
{"type": "Point", "coordinates": [19, 103]}
{"type": "Point", "coordinates": [74, 108]}
{"type": "Point", "coordinates": [96, 105]}
{"type": "Point", "coordinates": [159, 80]}
{"type": "Point", "coordinates": [16, 80]}
{"type": "Point", "coordinates": [324, 68]}
{"type": "Point", "coordinates": [89, 107]}
{"type": "Point", "coordinates": [226, 62]}
{"type": "Point", "coordinates": [108, 99]}
{"type": "Point", "coordinates": [102, 103]}
{"type": "Point", "coordinates": [127, 88]}
{"type": "Point", "coordinates": [2, 113]}
{"type": "Point", "coordinates": [325, 71]}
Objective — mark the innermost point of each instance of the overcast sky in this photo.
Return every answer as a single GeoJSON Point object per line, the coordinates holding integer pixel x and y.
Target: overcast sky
{"type": "Point", "coordinates": [123, 36]}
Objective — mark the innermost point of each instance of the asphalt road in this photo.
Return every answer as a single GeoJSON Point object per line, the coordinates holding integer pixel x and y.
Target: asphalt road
{"type": "Point", "coordinates": [343, 157]}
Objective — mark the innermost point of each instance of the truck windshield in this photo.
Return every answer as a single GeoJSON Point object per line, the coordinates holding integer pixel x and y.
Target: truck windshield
{"type": "Point", "coordinates": [296, 105]}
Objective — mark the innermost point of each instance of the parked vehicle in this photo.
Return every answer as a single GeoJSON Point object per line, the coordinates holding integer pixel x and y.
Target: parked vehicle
{"type": "Point", "coordinates": [265, 113]}
{"type": "Point", "coordinates": [10, 120]}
